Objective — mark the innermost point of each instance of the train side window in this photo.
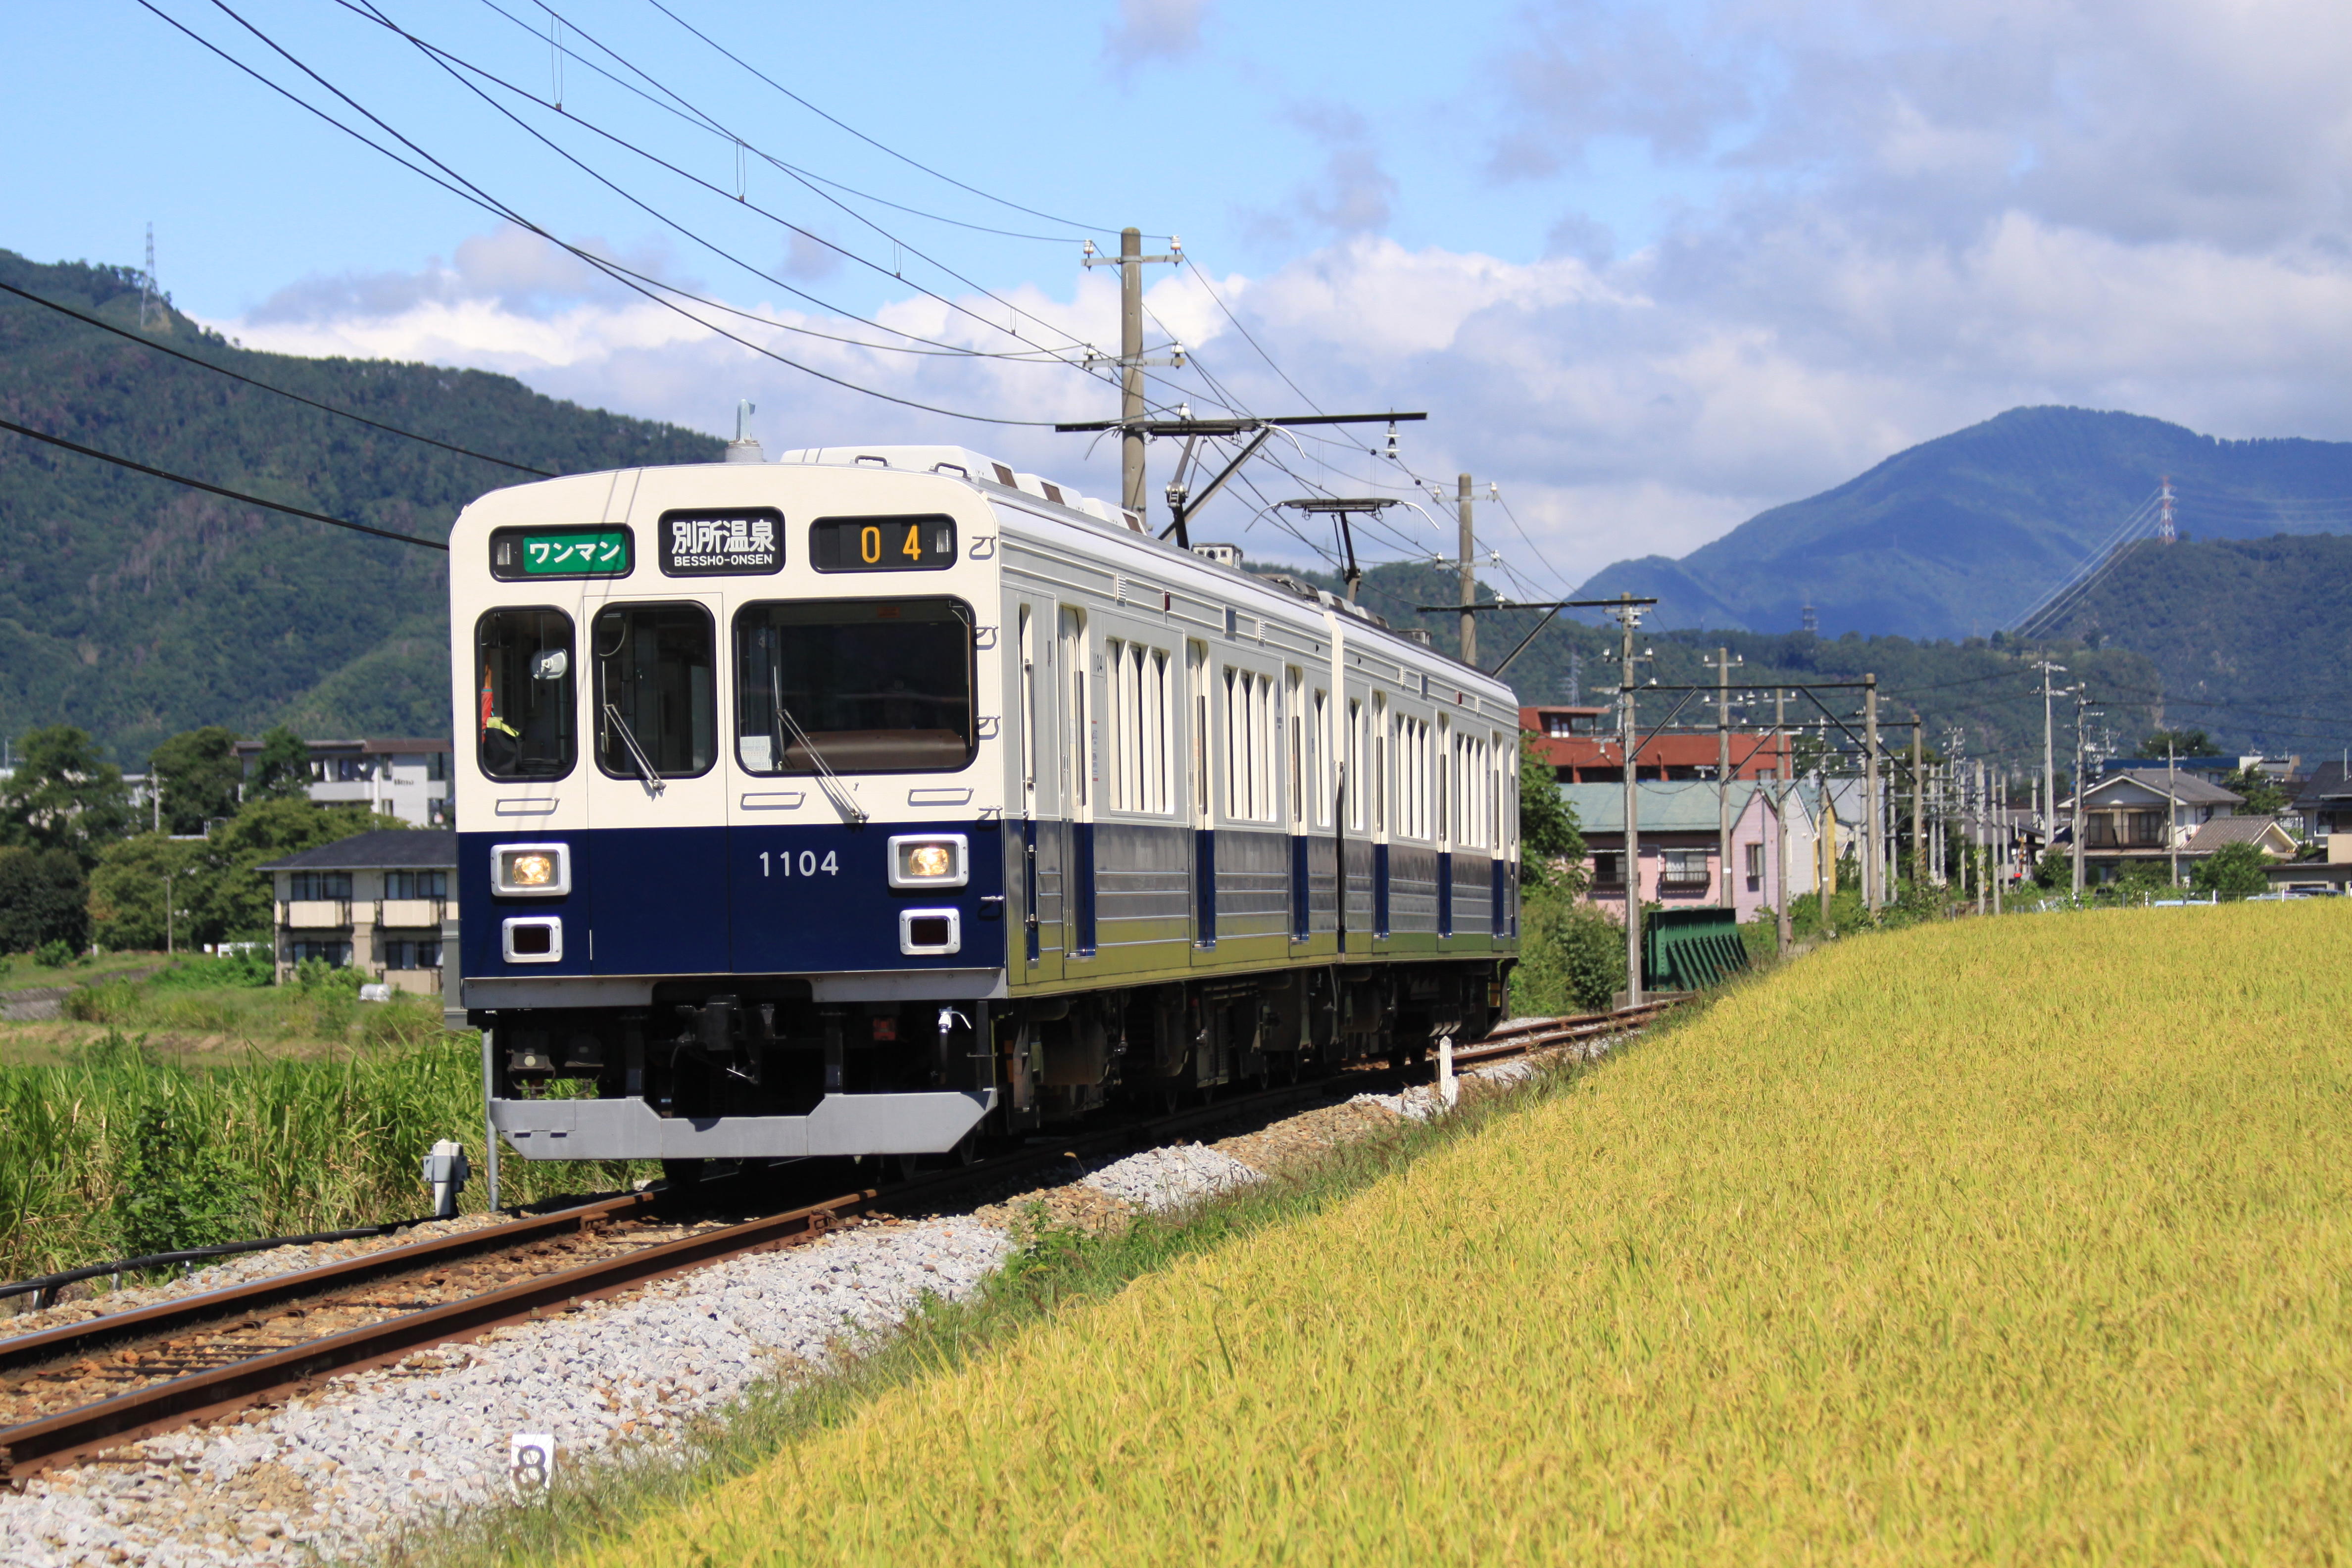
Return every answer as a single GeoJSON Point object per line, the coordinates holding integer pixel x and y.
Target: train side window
{"type": "Point", "coordinates": [524, 723]}
{"type": "Point", "coordinates": [657, 698]}
{"type": "Point", "coordinates": [1136, 710]}
{"type": "Point", "coordinates": [1080, 754]}
{"type": "Point", "coordinates": [1196, 682]}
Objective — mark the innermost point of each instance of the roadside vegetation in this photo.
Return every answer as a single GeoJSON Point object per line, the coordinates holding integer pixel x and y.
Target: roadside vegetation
{"type": "Point", "coordinates": [116, 1151]}
{"type": "Point", "coordinates": [1984, 1241]}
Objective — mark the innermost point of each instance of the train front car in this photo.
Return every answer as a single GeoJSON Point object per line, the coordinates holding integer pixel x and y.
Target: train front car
{"type": "Point", "coordinates": [873, 799]}
{"type": "Point", "coordinates": [729, 850]}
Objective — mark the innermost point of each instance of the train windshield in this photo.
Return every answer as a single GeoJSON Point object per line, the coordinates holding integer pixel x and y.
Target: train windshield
{"type": "Point", "coordinates": [656, 705]}
{"type": "Point", "coordinates": [859, 686]}
{"type": "Point", "coordinates": [523, 726]}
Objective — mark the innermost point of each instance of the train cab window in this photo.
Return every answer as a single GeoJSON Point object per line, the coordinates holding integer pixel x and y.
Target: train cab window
{"type": "Point", "coordinates": [656, 703]}
{"type": "Point", "coordinates": [864, 686]}
{"type": "Point", "coordinates": [523, 718]}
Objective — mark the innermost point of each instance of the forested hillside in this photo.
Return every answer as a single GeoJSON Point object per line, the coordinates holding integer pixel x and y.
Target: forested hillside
{"type": "Point", "coordinates": [1957, 536]}
{"type": "Point", "coordinates": [137, 608]}
{"type": "Point", "coordinates": [1984, 689]}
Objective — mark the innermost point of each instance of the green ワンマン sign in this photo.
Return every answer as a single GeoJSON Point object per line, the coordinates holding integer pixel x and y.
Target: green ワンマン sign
{"type": "Point", "coordinates": [525, 553]}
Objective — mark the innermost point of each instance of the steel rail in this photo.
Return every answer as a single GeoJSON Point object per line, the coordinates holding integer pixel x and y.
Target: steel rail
{"type": "Point", "coordinates": [52, 1441]}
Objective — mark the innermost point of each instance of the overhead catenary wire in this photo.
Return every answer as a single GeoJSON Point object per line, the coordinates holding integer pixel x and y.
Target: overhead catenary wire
{"type": "Point", "coordinates": [119, 461]}
{"type": "Point", "coordinates": [145, 342]}
{"type": "Point", "coordinates": [457, 184]}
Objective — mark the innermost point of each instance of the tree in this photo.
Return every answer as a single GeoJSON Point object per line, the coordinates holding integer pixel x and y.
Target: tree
{"type": "Point", "coordinates": [42, 900]}
{"type": "Point", "coordinates": [282, 769]}
{"type": "Point", "coordinates": [2234, 871]}
{"type": "Point", "coordinates": [127, 890]}
{"type": "Point", "coordinates": [1552, 843]}
{"type": "Point", "coordinates": [2263, 797]}
{"type": "Point", "coordinates": [2055, 869]}
{"type": "Point", "coordinates": [2183, 743]}
{"type": "Point", "coordinates": [230, 899]}
{"type": "Point", "coordinates": [198, 773]}
{"type": "Point", "coordinates": [64, 795]}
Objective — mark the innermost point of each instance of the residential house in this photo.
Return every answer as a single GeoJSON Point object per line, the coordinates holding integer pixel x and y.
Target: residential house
{"type": "Point", "coordinates": [384, 901]}
{"type": "Point", "coordinates": [1581, 745]}
{"type": "Point", "coordinates": [2125, 818]}
{"type": "Point", "coordinates": [408, 779]}
{"type": "Point", "coordinates": [2266, 834]}
{"type": "Point", "coordinates": [1681, 845]}
{"type": "Point", "coordinates": [2324, 805]}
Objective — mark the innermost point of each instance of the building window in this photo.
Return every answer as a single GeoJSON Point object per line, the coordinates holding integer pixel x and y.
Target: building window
{"type": "Point", "coordinates": [1755, 867]}
{"type": "Point", "coordinates": [1609, 870]}
{"type": "Point", "coordinates": [1682, 868]}
{"type": "Point", "coordinates": [436, 766]}
{"type": "Point", "coordinates": [420, 955]}
{"type": "Point", "coordinates": [307, 886]}
{"type": "Point", "coordinates": [417, 885]}
{"type": "Point", "coordinates": [334, 955]}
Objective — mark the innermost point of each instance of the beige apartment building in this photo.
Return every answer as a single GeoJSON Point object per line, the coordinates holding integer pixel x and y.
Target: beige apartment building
{"type": "Point", "coordinates": [384, 902]}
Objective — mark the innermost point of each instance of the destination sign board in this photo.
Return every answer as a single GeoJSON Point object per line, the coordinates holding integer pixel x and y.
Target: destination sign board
{"type": "Point", "coordinates": [722, 541]}
{"type": "Point", "coordinates": [882, 544]}
{"type": "Point", "coordinates": [519, 554]}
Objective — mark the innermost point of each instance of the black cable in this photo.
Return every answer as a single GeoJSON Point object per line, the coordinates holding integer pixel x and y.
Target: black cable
{"type": "Point", "coordinates": [465, 190]}
{"type": "Point", "coordinates": [812, 109]}
{"type": "Point", "coordinates": [704, 122]}
{"type": "Point", "coordinates": [145, 342]}
{"type": "Point", "coordinates": [216, 489]}
{"type": "Point", "coordinates": [452, 64]}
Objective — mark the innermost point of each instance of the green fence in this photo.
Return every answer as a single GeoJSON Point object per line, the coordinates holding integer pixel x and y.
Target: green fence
{"type": "Point", "coordinates": [1689, 950]}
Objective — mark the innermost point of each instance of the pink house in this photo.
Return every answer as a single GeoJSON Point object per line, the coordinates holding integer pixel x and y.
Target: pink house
{"type": "Point", "coordinates": [1681, 848]}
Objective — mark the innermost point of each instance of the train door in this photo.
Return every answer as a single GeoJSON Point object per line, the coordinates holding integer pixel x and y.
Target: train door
{"type": "Point", "coordinates": [1081, 769]}
{"type": "Point", "coordinates": [1040, 832]}
{"type": "Point", "coordinates": [1199, 795]}
{"type": "Point", "coordinates": [655, 791]}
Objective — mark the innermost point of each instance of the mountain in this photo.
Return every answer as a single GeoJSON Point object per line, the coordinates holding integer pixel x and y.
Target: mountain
{"type": "Point", "coordinates": [1958, 536]}
{"type": "Point", "coordinates": [2247, 636]}
{"type": "Point", "coordinates": [137, 608]}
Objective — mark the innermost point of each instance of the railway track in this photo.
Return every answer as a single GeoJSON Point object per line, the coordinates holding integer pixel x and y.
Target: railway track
{"type": "Point", "coordinates": [70, 1393]}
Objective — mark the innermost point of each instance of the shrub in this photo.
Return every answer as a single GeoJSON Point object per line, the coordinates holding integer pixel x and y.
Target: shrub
{"type": "Point", "coordinates": [1571, 955]}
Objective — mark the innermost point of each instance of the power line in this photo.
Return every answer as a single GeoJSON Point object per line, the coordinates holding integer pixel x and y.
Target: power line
{"type": "Point", "coordinates": [144, 342]}
{"type": "Point", "coordinates": [457, 185]}
{"type": "Point", "coordinates": [217, 490]}
{"type": "Point", "coordinates": [852, 130]}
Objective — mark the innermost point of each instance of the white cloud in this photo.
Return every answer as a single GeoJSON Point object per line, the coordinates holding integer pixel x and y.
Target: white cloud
{"type": "Point", "coordinates": [1922, 215]}
{"type": "Point", "coordinates": [1150, 30]}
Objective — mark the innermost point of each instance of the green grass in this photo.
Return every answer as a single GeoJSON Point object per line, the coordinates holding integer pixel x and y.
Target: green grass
{"type": "Point", "coordinates": [2017, 1241]}
{"type": "Point", "coordinates": [20, 973]}
{"type": "Point", "coordinates": [116, 1149]}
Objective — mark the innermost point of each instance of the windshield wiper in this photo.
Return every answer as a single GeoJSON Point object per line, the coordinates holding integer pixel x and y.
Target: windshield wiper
{"type": "Point", "coordinates": [828, 780]}
{"type": "Point", "coordinates": [652, 781]}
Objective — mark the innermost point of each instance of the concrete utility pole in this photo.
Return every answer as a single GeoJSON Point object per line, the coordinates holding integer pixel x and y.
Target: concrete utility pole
{"type": "Point", "coordinates": [1130, 262]}
{"type": "Point", "coordinates": [1873, 849]}
{"type": "Point", "coordinates": [2048, 822]}
{"type": "Point", "coordinates": [1723, 668]}
{"type": "Point", "coordinates": [2080, 703]}
{"type": "Point", "coordinates": [2172, 787]}
{"type": "Point", "coordinates": [1781, 811]}
{"type": "Point", "coordinates": [1918, 844]}
{"type": "Point", "coordinates": [1629, 617]}
{"type": "Point", "coordinates": [1983, 836]}
{"type": "Point", "coordinates": [1469, 578]}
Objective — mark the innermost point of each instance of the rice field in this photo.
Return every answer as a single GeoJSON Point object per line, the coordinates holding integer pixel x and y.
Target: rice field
{"type": "Point", "coordinates": [2017, 1241]}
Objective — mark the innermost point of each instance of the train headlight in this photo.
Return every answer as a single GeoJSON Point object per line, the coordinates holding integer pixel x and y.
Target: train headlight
{"type": "Point", "coordinates": [928, 860]}
{"type": "Point", "coordinates": [530, 870]}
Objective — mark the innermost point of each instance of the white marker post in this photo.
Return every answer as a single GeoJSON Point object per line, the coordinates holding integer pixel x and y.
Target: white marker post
{"type": "Point", "coordinates": [1449, 1090]}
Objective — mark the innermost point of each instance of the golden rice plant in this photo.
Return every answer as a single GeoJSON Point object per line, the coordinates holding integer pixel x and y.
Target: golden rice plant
{"type": "Point", "coordinates": [2018, 1241]}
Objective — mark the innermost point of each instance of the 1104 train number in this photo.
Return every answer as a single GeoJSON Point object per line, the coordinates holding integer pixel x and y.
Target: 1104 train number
{"type": "Point", "coordinates": [810, 865]}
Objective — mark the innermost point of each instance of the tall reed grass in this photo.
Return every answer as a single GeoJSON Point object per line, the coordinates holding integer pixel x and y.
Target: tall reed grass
{"type": "Point", "coordinates": [2013, 1241]}
{"type": "Point", "coordinates": [116, 1151]}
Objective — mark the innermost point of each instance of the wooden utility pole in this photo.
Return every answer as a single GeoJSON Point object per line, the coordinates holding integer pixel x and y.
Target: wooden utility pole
{"type": "Point", "coordinates": [1470, 581]}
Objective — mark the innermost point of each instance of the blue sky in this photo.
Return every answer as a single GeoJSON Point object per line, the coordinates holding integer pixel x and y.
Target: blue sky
{"type": "Point", "coordinates": [1649, 268]}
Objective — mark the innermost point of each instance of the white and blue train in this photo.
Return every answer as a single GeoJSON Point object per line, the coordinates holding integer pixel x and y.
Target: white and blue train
{"type": "Point", "coordinates": [880, 800]}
